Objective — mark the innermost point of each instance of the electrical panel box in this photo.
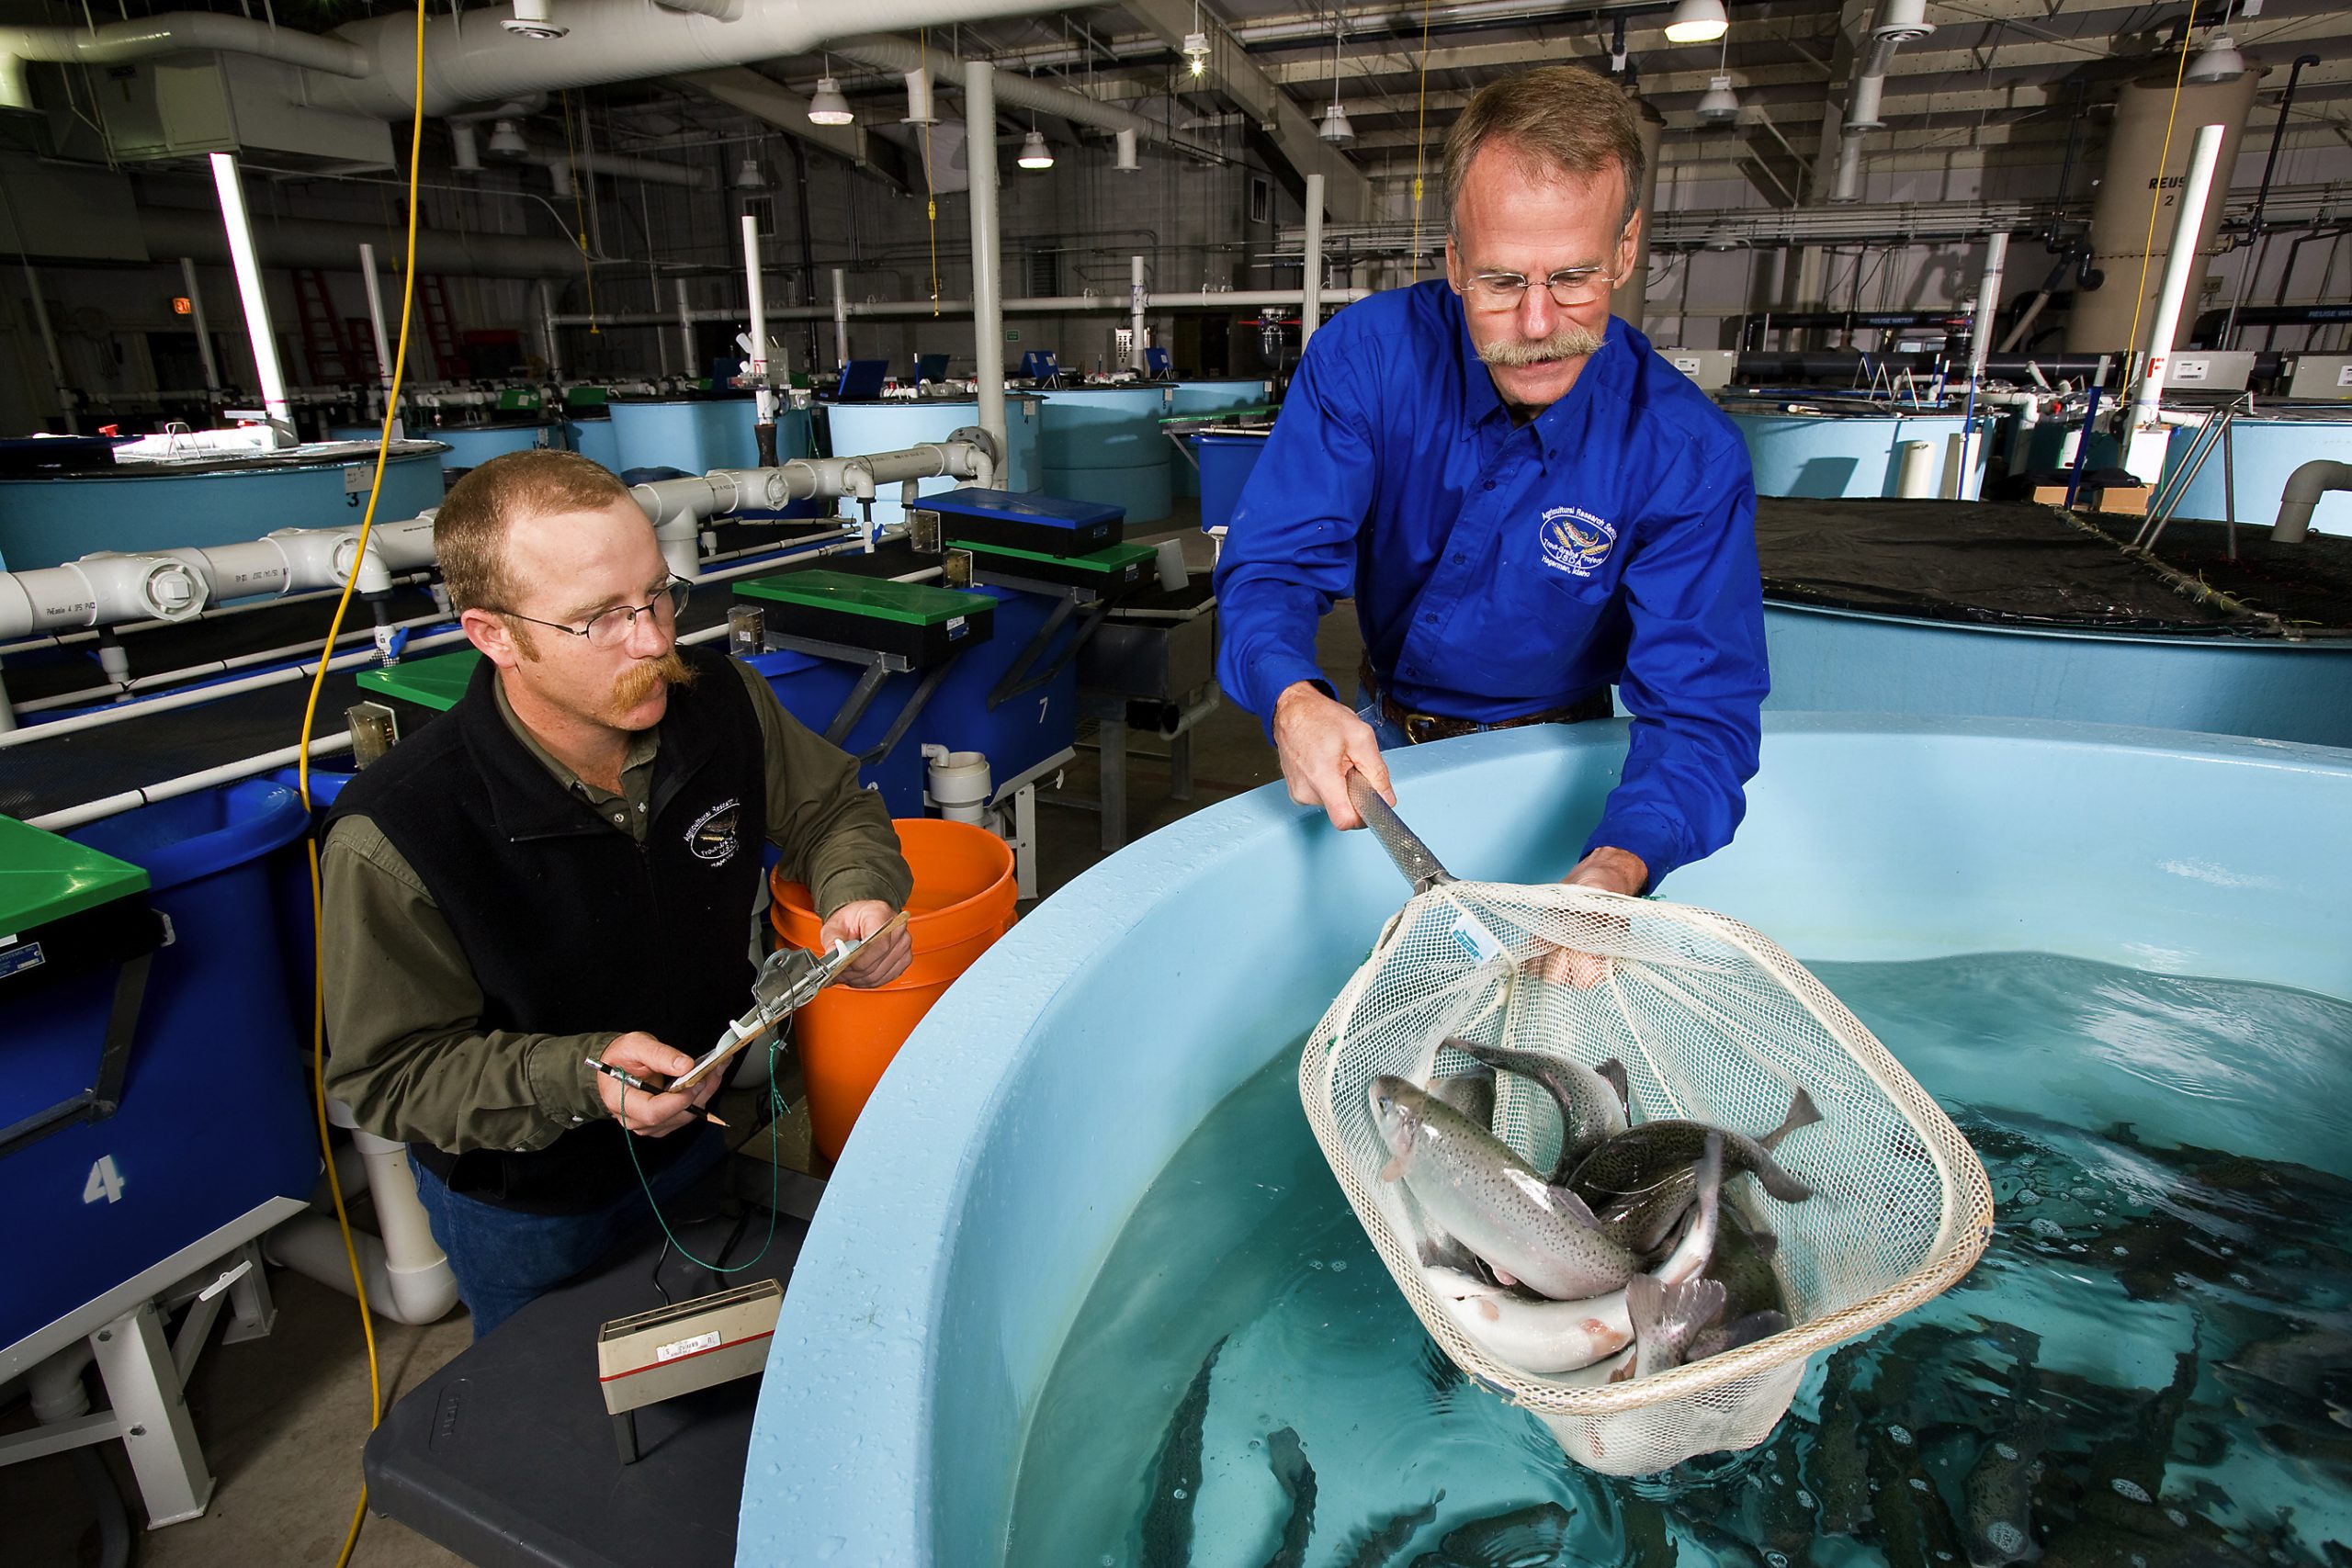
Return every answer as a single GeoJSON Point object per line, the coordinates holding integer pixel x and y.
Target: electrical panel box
{"type": "Point", "coordinates": [2322, 377]}
{"type": "Point", "coordinates": [1710, 367]}
{"type": "Point", "coordinates": [2209, 370]}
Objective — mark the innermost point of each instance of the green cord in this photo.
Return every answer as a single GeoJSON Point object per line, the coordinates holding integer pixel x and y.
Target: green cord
{"type": "Point", "coordinates": [775, 1175]}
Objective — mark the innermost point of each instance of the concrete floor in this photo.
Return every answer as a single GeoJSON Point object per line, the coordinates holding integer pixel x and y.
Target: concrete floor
{"type": "Point", "coordinates": [282, 1419]}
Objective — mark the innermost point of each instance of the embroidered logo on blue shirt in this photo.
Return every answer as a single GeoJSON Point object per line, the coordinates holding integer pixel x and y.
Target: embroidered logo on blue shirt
{"type": "Point", "coordinates": [1574, 540]}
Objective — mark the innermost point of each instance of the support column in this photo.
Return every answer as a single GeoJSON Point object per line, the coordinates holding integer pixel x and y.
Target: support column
{"type": "Point", "coordinates": [203, 331]}
{"type": "Point", "coordinates": [376, 321]}
{"type": "Point", "coordinates": [988, 299]}
{"type": "Point", "coordinates": [840, 319]}
{"type": "Point", "coordinates": [249, 289]}
{"type": "Point", "coordinates": [685, 332]}
{"type": "Point", "coordinates": [1137, 300]}
{"type": "Point", "coordinates": [1310, 306]}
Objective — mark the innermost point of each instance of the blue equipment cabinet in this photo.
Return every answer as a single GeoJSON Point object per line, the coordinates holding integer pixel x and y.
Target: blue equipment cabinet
{"type": "Point", "coordinates": [209, 1140]}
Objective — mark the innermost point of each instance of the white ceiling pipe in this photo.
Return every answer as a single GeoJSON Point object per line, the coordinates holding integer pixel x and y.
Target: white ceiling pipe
{"type": "Point", "coordinates": [1017, 91]}
{"type": "Point", "coordinates": [189, 231]}
{"type": "Point", "coordinates": [178, 32]}
{"type": "Point", "coordinates": [988, 249]}
{"type": "Point", "coordinates": [609, 40]}
{"type": "Point", "coordinates": [657, 171]}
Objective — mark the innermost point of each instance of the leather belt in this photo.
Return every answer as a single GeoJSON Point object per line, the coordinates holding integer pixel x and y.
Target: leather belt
{"type": "Point", "coordinates": [1418, 727]}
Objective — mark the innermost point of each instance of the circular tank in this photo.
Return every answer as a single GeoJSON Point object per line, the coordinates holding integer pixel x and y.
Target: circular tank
{"type": "Point", "coordinates": [1828, 455]}
{"type": "Point", "coordinates": [2263, 454]}
{"type": "Point", "coordinates": [151, 506]}
{"type": "Point", "coordinates": [698, 435]}
{"type": "Point", "coordinates": [1207, 398]}
{"type": "Point", "coordinates": [1103, 444]}
{"type": "Point", "coordinates": [1839, 660]}
{"type": "Point", "coordinates": [471, 446]}
{"type": "Point", "coordinates": [592, 436]}
{"type": "Point", "coordinates": [895, 422]}
{"type": "Point", "coordinates": [1006, 1146]}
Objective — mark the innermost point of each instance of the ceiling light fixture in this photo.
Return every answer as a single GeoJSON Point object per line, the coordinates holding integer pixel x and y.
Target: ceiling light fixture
{"type": "Point", "coordinates": [1126, 161]}
{"type": "Point", "coordinates": [1697, 21]}
{"type": "Point", "coordinates": [1335, 129]}
{"type": "Point", "coordinates": [828, 106]}
{"type": "Point", "coordinates": [507, 140]}
{"type": "Point", "coordinates": [2219, 60]}
{"type": "Point", "coordinates": [1719, 104]}
{"type": "Point", "coordinates": [748, 176]}
{"type": "Point", "coordinates": [533, 20]}
{"type": "Point", "coordinates": [1034, 154]}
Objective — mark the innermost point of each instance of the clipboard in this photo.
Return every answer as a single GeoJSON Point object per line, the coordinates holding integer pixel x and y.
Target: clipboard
{"type": "Point", "coordinates": [785, 985]}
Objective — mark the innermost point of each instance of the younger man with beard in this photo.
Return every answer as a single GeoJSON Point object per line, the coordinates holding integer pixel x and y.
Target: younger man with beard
{"type": "Point", "coordinates": [1529, 505]}
{"type": "Point", "coordinates": [564, 867]}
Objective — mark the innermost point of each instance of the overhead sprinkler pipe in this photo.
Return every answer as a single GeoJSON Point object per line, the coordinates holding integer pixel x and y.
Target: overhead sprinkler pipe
{"type": "Point", "coordinates": [2180, 266]}
{"type": "Point", "coordinates": [987, 252]}
{"type": "Point", "coordinates": [196, 318]}
{"type": "Point", "coordinates": [249, 289]}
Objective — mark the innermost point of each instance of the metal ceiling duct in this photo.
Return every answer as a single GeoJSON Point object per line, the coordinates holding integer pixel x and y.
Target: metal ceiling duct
{"type": "Point", "coordinates": [196, 232]}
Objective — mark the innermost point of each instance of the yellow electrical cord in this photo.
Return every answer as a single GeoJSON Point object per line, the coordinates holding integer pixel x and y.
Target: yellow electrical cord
{"type": "Point", "coordinates": [302, 775]}
{"type": "Point", "coordinates": [2156, 205]}
{"type": "Point", "coordinates": [1421, 140]}
{"type": "Point", "coordinates": [580, 217]}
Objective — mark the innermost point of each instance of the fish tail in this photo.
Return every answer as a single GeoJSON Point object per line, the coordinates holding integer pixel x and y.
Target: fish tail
{"type": "Point", "coordinates": [1612, 1072]}
{"type": "Point", "coordinates": [1776, 1179]}
{"type": "Point", "coordinates": [1802, 1113]}
{"type": "Point", "coordinates": [1666, 1317]}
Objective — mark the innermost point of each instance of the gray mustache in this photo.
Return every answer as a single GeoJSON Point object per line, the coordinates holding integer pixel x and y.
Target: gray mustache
{"type": "Point", "coordinates": [1568, 343]}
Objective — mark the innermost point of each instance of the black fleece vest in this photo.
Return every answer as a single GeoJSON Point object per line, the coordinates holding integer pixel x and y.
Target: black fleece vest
{"type": "Point", "coordinates": [571, 925]}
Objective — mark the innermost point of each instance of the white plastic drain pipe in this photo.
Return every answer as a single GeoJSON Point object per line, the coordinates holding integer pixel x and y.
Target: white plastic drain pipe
{"type": "Point", "coordinates": [249, 289]}
{"type": "Point", "coordinates": [408, 1277]}
{"type": "Point", "coordinates": [2180, 265]}
{"type": "Point", "coordinates": [1915, 475]}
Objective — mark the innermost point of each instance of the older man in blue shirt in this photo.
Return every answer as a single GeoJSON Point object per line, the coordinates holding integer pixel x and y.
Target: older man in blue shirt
{"type": "Point", "coordinates": [1529, 505]}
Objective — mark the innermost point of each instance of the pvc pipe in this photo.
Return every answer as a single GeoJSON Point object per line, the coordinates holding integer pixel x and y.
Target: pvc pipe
{"type": "Point", "coordinates": [187, 783]}
{"type": "Point", "coordinates": [176, 231]}
{"type": "Point", "coordinates": [987, 252]}
{"type": "Point", "coordinates": [162, 680]}
{"type": "Point", "coordinates": [968, 454]}
{"type": "Point", "coordinates": [56, 1386]}
{"type": "Point", "coordinates": [203, 331]}
{"type": "Point", "coordinates": [1988, 301]}
{"type": "Point", "coordinates": [685, 331]}
{"type": "Point", "coordinates": [1915, 477]}
{"type": "Point", "coordinates": [759, 307]}
{"type": "Point", "coordinates": [376, 322]}
{"type": "Point", "coordinates": [840, 319]}
{"type": "Point", "coordinates": [842, 310]}
{"type": "Point", "coordinates": [311, 1244]}
{"type": "Point", "coordinates": [179, 32]}
{"type": "Point", "coordinates": [906, 55]}
{"type": "Point", "coordinates": [2304, 487]}
{"type": "Point", "coordinates": [2179, 267]}
{"type": "Point", "coordinates": [1310, 297]}
{"type": "Point", "coordinates": [658, 171]}
{"type": "Point", "coordinates": [249, 289]}
{"type": "Point", "coordinates": [1136, 302]}
{"type": "Point", "coordinates": [547, 330]}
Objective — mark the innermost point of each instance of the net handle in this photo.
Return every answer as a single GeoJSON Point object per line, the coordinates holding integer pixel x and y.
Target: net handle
{"type": "Point", "coordinates": [1411, 856]}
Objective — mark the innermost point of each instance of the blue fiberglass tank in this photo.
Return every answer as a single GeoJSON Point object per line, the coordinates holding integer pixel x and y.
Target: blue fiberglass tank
{"type": "Point", "coordinates": [592, 436]}
{"type": "Point", "coordinates": [1831, 454]}
{"type": "Point", "coordinates": [1007, 1145]}
{"type": "Point", "coordinates": [890, 423]}
{"type": "Point", "coordinates": [699, 434]}
{"type": "Point", "coordinates": [1209, 397]}
{"type": "Point", "coordinates": [2008, 609]}
{"type": "Point", "coordinates": [213, 1140]}
{"type": "Point", "coordinates": [160, 506]}
{"type": "Point", "coordinates": [1104, 444]}
{"type": "Point", "coordinates": [471, 446]}
{"type": "Point", "coordinates": [2264, 451]}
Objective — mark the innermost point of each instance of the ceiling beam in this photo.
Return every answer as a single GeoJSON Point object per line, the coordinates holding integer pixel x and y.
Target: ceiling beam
{"type": "Point", "coordinates": [1347, 194]}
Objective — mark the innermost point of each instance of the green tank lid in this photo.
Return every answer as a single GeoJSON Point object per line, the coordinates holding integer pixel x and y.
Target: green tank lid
{"type": "Point", "coordinates": [910, 604]}
{"type": "Point", "coordinates": [437, 682]}
{"type": "Point", "coordinates": [1116, 559]}
{"type": "Point", "coordinates": [44, 877]}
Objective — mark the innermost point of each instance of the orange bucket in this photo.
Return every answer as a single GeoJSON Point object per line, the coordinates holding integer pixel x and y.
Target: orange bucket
{"type": "Point", "coordinates": [962, 902]}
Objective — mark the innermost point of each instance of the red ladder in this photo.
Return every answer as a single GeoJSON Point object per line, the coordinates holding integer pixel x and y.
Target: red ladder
{"type": "Point", "coordinates": [328, 353]}
{"type": "Point", "coordinates": [440, 330]}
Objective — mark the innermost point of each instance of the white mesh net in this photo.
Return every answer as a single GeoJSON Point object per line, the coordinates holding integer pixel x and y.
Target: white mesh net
{"type": "Point", "coordinates": [1713, 1023]}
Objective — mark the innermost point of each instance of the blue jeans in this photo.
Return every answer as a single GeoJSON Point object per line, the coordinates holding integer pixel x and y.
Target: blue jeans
{"type": "Point", "coordinates": [503, 1258]}
{"type": "Point", "coordinates": [1391, 739]}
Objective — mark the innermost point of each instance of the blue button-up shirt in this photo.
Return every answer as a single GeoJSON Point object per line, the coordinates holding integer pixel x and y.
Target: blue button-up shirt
{"type": "Point", "coordinates": [1500, 570]}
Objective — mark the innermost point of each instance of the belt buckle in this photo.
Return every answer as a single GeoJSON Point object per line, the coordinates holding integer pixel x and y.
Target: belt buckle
{"type": "Point", "coordinates": [1420, 726]}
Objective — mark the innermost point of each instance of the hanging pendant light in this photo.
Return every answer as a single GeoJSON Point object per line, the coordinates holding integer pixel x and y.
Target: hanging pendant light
{"type": "Point", "coordinates": [828, 106]}
{"type": "Point", "coordinates": [1697, 21]}
{"type": "Point", "coordinates": [2219, 60]}
{"type": "Point", "coordinates": [1719, 104]}
{"type": "Point", "coordinates": [748, 176]}
{"type": "Point", "coordinates": [1335, 129]}
{"type": "Point", "coordinates": [507, 140]}
{"type": "Point", "coordinates": [1034, 154]}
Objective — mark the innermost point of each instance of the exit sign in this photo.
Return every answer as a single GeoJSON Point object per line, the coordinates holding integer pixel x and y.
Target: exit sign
{"type": "Point", "coordinates": [182, 305]}
{"type": "Point", "coordinates": [1012, 335]}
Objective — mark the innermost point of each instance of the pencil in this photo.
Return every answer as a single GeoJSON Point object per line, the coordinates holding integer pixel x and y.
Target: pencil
{"type": "Point", "coordinates": [619, 1076]}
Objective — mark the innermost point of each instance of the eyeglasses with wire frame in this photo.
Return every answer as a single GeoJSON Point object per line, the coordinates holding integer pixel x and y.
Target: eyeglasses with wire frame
{"type": "Point", "coordinates": [1569, 286]}
{"type": "Point", "coordinates": [610, 628]}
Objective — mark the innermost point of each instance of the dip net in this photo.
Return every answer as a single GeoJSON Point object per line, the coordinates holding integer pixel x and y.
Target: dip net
{"type": "Point", "coordinates": [1713, 1023]}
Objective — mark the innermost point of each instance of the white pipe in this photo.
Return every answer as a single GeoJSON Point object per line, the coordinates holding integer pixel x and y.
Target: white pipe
{"type": "Point", "coordinates": [1021, 92]}
{"type": "Point", "coordinates": [405, 1291]}
{"type": "Point", "coordinates": [840, 319]}
{"type": "Point", "coordinates": [376, 323]}
{"type": "Point", "coordinates": [2178, 266]}
{"type": "Point", "coordinates": [179, 32]}
{"type": "Point", "coordinates": [987, 252]}
{"type": "Point", "coordinates": [685, 331]}
{"type": "Point", "coordinates": [164, 680]}
{"type": "Point", "coordinates": [758, 308]}
{"type": "Point", "coordinates": [1136, 302]}
{"type": "Point", "coordinates": [187, 783]}
{"type": "Point", "coordinates": [1988, 301]}
{"type": "Point", "coordinates": [1915, 477]}
{"type": "Point", "coordinates": [841, 311]}
{"type": "Point", "coordinates": [1310, 297]}
{"type": "Point", "coordinates": [609, 40]}
{"type": "Point", "coordinates": [547, 330]}
{"type": "Point", "coordinates": [203, 331]}
{"type": "Point", "coordinates": [656, 170]}
{"type": "Point", "coordinates": [257, 302]}
{"type": "Point", "coordinates": [2304, 487]}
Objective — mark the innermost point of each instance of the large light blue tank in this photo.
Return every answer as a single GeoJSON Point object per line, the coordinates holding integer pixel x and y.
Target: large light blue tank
{"type": "Point", "coordinates": [2264, 452]}
{"type": "Point", "coordinates": [1851, 661]}
{"type": "Point", "coordinates": [592, 436]}
{"type": "Point", "coordinates": [147, 506]}
{"type": "Point", "coordinates": [1207, 398]}
{"type": "Point", "coordinates": [1827, 455]}
{"type": "Point", "coordinates": [698, 435]}
{"type": "Point", "coordinates": [894, 423]}
{"type": "Point", "coordinates": [1103, 444]}
{"type": "Point", "coordinates": [471, 446]}
{"type": "Point", "coordinates": [1030, 1111]}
